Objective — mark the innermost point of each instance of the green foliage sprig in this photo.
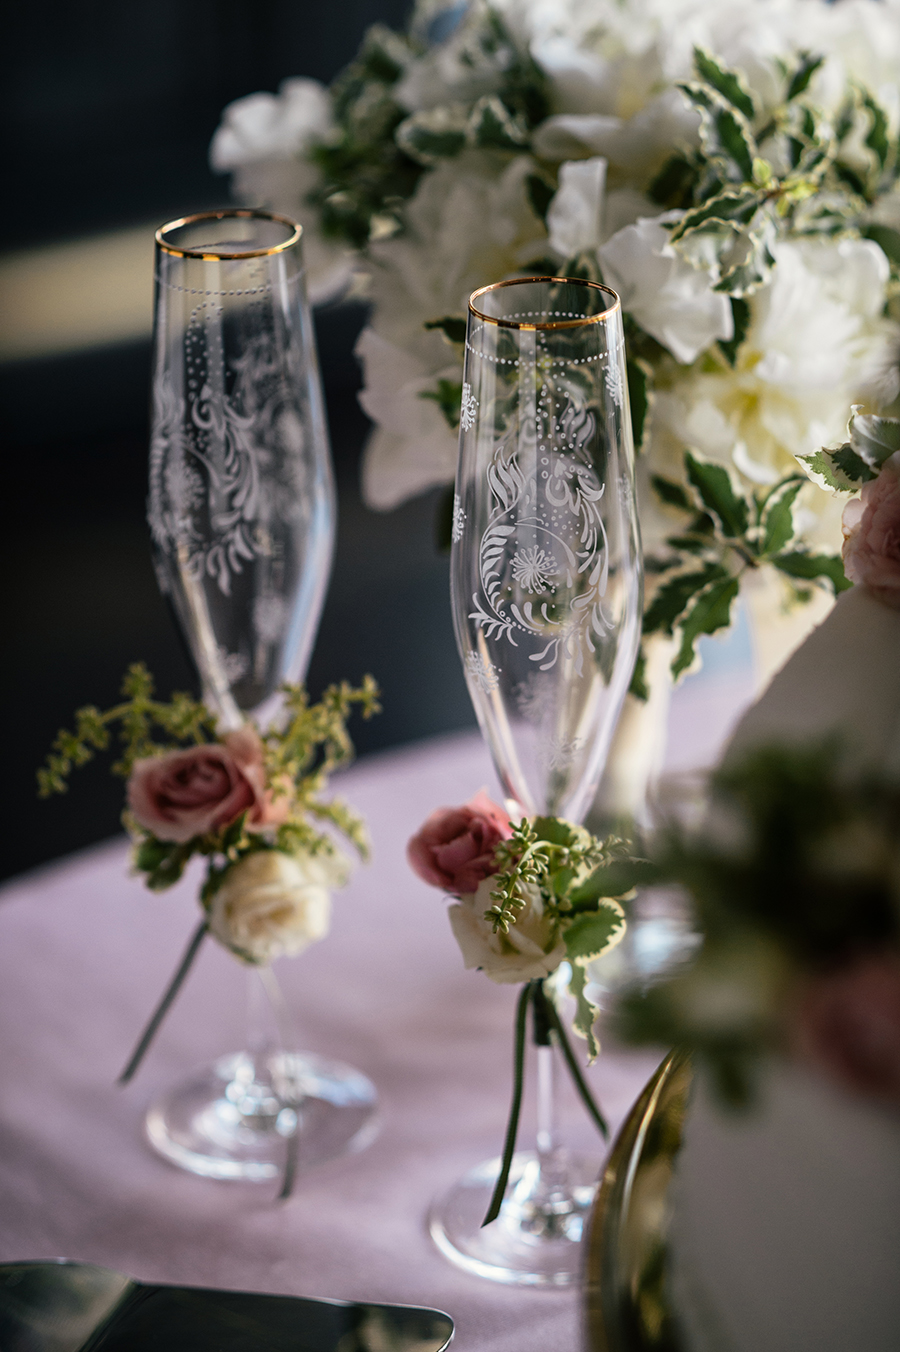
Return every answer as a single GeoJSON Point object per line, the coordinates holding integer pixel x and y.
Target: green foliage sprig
{"type": "Point", "coordinates": [844, 469]}
{"type": "Point", "coordinates": [182, 720]}
{"type": "Point", "coordinates": [735, 200]}
{"type": "Point", "coordinates": [727, 533]}
{"type": "Point", "coordinates": [299, 757]}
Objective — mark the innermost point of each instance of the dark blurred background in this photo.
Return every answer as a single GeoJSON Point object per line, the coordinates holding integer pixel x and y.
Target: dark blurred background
{"type": "Point", "coordinates": [108, 114]}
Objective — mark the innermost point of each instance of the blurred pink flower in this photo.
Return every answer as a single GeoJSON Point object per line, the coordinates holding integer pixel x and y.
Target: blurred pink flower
{"type": "Point", "coordinates": [871, 526]}
{"type": "Point", "coordinates": [202, 789]}
{"type": "Point", "coordinates": [848, 1023]}
{"type": "Point", "coordinates": [455, 847]}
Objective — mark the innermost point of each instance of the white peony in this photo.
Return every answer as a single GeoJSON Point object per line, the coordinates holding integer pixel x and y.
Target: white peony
{"type": "Point", "coordinates": [272, 126]}
{"type": "Point", "coordinates": [669, 297]}
{"type": "Point", "coordinates": [273, 905]}
{"type": "Point", "coordinates": [817, 343]}
{"type": "Point", "coordinates": [575, 216]}
{"type": "Point", "coordinates": [470, 220]}
{"type": "Point", "coordinates": [531, 949]}
{"type": "Point", "coordinates": [262, 140]}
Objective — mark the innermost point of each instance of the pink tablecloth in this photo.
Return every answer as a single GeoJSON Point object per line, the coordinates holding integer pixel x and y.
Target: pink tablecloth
{"type": "Point", "coordinates": [84, 953]}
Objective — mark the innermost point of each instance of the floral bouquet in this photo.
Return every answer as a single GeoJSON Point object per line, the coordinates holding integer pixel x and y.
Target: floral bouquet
{"type": "Point", "coordinates": [531, 896]}
{"type": "Point", "coordinates": [250, 803]}
{"type": "Point", "coordinates": [730, 170]}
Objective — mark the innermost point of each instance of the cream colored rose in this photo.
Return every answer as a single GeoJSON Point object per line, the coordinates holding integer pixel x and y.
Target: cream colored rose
{"type": "Point", "coordinates": [274, 905]}
{"type": "Point", "coordinates": [532, 948]}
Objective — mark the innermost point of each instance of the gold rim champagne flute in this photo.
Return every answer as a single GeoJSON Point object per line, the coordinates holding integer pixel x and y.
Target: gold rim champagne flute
{"type": "Point", "coordinates": [242, 515]}
{"type": "Point", "coordinates": [546, 586]}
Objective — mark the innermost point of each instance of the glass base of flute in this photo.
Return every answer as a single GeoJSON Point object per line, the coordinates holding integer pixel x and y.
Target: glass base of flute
{"type": "Point", "coordinates": [536, 1239]}
{"type": "Point", "coordinates": [267, 1112]}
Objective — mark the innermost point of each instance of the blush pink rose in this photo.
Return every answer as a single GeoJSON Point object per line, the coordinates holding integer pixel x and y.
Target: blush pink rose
{"type": "Point", "coordinates": [871, 526]}
{"type": "Point", "coordinates": [454, 849]}
{"type": "Point", "coordinates": [848, 1023]}
{"type": "Point", "coordinates": [205, 788]}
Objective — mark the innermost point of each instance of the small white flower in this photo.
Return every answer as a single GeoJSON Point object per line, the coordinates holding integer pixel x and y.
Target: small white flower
{"type": "Point", "coordinates": [483, 673]}
{"type": "Point", "coordinates": [531, 949]}
{"type": "Point", "coordinates": [468, 408]}
{"type": "Point", "coordinates": [532, 568]}
{"type": "Point", "coordinates": [273, 905]}
{"type": "Point", "coordinates": [559, 752]}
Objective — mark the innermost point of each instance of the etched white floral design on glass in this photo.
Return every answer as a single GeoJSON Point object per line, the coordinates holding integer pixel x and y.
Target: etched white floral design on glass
{"type": "Point", "coordinates": [546, 586]}
{"type": "Point", "coordinates": [546, 573]}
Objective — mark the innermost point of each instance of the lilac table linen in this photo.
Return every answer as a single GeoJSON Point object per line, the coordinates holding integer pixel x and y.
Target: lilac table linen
{"type": "Point", "coordinates": [85, 952]}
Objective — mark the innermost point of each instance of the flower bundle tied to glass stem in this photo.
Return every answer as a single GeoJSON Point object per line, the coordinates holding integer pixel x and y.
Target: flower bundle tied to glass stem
{"type": "Point", "coordinates": [530, 896]}
{"type": "Point", "coordinates": [249, 802]}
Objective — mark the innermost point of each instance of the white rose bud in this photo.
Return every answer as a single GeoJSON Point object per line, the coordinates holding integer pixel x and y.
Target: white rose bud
{"type": "Point", "coordinates": [273, 905]}
{"type": "Point", "coordinates": [531, 949]}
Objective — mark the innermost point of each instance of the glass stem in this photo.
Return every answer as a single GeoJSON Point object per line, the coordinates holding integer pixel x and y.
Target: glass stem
{"type": "Point", "coordinates": [550, 1152]}
{"type": "Point", "coordinates": [259, 1037]}
{"type": "Point", "coordinates": [546, 1103]}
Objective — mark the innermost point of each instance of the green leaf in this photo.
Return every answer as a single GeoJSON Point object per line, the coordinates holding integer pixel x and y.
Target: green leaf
{"type": "Point", "coordinates": [734, 207]}
{"type": "Point", "coordinates": [751, 266]}
{"type": "Point", "coordinates": [451, 326]}
{"type": "Point", "coordinates": [728, 82]}
{"type": "Point", "coordinates": [671, 493]}
{"type": "Point", "coordinates": [711, 612]}
{"type": "Point", "coordinates": [779, 521]}
{"type": "Point", "coordinates": [674, 185]}
{"type": "Point", "coordinates": [887, 239]}
{"type": "Point", "coordinates": [431, 136]}
{"type": "Point", "coordinates": [557, 831]}
{"type": "Point", "coordinates": [801, 77]}
{"type": "Point", "coordinates": [591, 933]}
{"type": "Point", "coordinates": [810, 567]}
{"type": "Point", "coordinates": [714, 485]}
{"type": "Point", "coordinates": [736, 140]}
{"type": "Point", "coordinates": [637, 373]}
{"type": "Point", "coordinates": [740, 314]}
{"type": "Point", "coordinates": [492, 127]}
{"type": "Point", "coordinates": [540, 195]}
{"type": "Point", "coordinates": [168, 866]}
{"type": "Point", "coordinates": [841, 469]}
{"type": "Point", "coordinates": [877, 139]}
{"type": "Point", "coordinates": [874, 439]}
{"type": "Point", "coordinates": [614, 879]}
{"type": "Point", "coordinates": [585, 1012]}
{"type": "Point", "coordinates": [673, 597]}
{"type": "Point", "coordinates": [447, 396]}
{"type": "Point", "coordinates": [638, 687]}
{"type": "Point", "coordinates": [151, 853]}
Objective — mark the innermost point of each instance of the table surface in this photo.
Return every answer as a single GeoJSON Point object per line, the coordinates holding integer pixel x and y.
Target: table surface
{"type": "Point", "coordinates": [85, 952]}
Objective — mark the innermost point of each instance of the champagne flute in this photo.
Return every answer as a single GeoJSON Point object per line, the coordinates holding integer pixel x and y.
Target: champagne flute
{"type": "Point", "coordinates": [546, 587]}
{"type": "Point", "coordinates": [241, 506]}
{"type": "Point", "coordinates": [242, 516]}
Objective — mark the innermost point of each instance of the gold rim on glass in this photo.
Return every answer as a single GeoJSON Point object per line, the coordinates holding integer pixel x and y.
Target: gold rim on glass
{"type": "Point", "coordinates": [549, 324]}
{"type": "Point", "coordinates": [237, 213]}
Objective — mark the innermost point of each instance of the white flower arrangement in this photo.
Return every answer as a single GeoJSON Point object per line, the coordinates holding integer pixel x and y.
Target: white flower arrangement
{"type": "Point", "coordinates": [730, 170]}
